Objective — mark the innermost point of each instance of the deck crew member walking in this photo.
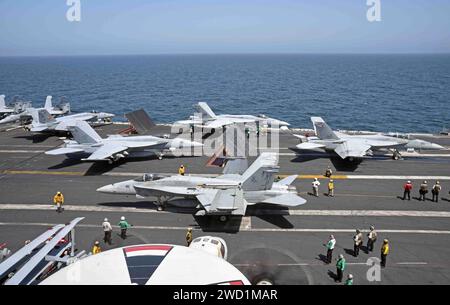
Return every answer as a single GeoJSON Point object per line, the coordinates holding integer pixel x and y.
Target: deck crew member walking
{"type": "Point", "coordinates": [407, 190]}
{"type": "Point", "coordinates": [124, 225]}
{"type": "Point", "coordinates": [372, 238]}
{"type": "Point", "coordinates": [315, 186]}
{"type": "Point", "coordinates": [423, 190]}
{"type": "Point", "coordinates": [435, 191]}
{"type": "Point", "coordinates": [331, 188]}
{"type": "Point", "coordinates": [96, 249]}
{"type": "Point", "coordinates": [330, 247]}
{"type": "Point", "coordinates": [189, 236]}
{"type": "Point", "coordinates": [181, 170]}
{"type": "Point", "coordinates": [107, 229]}
{"type": "Point", "coordinates": [384, 252]}
{"type": "Point", "coordinates": [58, 199]}
{"type": "Point", "coordinates": [340, 268]}
{"type": "Point", "coordinates": [357, 242]}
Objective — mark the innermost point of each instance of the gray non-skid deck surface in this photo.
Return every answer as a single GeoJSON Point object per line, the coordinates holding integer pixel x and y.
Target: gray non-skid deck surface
{"type": "Point", "coordinates": [288, 247]}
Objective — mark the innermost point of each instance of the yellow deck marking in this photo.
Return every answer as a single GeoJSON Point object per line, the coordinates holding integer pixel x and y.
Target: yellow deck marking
{"type": "Point", "coordinates": [27, 172]}
{"type": "Point", "coordinates": [319, 176]}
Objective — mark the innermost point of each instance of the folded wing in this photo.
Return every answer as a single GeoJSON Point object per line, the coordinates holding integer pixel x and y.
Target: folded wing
{"type": "Point", "coordinates": [220, 200]}
{"type": "Point", "coordinates": [106, 151]}
{"type": "Point", "coordinates": [352, 149]}
{"type": "Point", "coordinates": [220, 122]}
{"type": "Point", "coordinates": [63, 151]}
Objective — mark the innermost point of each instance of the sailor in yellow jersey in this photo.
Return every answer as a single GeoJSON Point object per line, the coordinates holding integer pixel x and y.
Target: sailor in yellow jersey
{"type": "Point", "coordinates": [384, 252]}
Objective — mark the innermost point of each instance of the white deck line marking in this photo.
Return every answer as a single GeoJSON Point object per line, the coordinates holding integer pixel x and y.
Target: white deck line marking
{"type": "Point", "coordinates": [358, 213]}
{"type": "Point", "coordinates": [412, 155]}
{"type": "Point", "coordinates": [27, 145]}
{"type": "Point", "coordinates": [302, 177]}
{"type": "Point", "coordinates": [373, 213]}
{"type": "Point", "coordinates": [321, 264]}
{"type": "Point", "coordinates": [22, 151]}
{"type": "Point", "coordinates": [392, 177]}
{"type": "Point", "coordinates": [352, 230]}
{"type": "Point", "coordinates": [355, 177]}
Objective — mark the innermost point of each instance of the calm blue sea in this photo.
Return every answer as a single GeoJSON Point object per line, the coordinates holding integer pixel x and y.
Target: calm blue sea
{"type": "Point", "coordinates": [406, 93]}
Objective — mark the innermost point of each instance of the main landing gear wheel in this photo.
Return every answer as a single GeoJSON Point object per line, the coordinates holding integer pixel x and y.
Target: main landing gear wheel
{"type": "Point", "coordinates": [223, 218]}
{"type": "Point", "coordinates": [161, 202]}
{"type": "Point", "coordinates": [396, 155]}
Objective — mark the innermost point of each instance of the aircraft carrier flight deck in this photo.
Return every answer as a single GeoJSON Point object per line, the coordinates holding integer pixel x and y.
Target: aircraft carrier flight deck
{"type": "Point", "coordinates": [289, 245]}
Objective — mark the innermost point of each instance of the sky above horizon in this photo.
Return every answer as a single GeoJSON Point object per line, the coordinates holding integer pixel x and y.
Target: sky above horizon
{"type": "Point", "coordinates": [222, 26]}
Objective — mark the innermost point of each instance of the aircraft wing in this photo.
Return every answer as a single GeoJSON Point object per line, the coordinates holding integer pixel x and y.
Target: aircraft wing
{"type": "Point", "coordinates": [355, 149]}
{"type": "Point", "coordinates": [148, 144]}
{"type": "Point", "coordinates": [287, 200]}
{"type": "Point", "coordinates": [287, 181]}
{"type": "Point", "coordinates": [220, 122]}
{"type": "Point", "coordinates": [62, 126]}
{"type": "Point", "coordinates": [150, 190]}
{"type": "Point", "coordinates": [63, 151]}
{"type": "Point", "coordinates": [381, 144]}
{"type": "Point", "coordinates": [38, 128]}
{"type": "Point", "coordinates": [309, 145]}
{"type": "Point", "coordinates": [223, 201]}
{"type": "Point", "coordinates": [106, 151]}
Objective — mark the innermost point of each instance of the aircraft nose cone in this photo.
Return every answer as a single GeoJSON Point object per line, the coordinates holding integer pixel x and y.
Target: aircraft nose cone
{"type": "Point", "coordinates": [197, 144]}
{"type": "Point", "coordinates": [437, 146]}
{"type": "Point", "coordinates": [107, 189]}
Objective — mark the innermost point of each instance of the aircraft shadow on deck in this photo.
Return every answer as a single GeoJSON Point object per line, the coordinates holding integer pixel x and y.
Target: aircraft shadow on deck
{"type": "Point", "coordinates": [148, 205]}
{"type": "Point", "coordinates": [35, 138]}
{"type": "Point", "coordinates": [99, 168]}
{"type": "Point", "coordinates": [212, 223]}
{"type": "Point", "coordinates": [338, 163]}
{"type": "Point", "coordinates": [66, 163]}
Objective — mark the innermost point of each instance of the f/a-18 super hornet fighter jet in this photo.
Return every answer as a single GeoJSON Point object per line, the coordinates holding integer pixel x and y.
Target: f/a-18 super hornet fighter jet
{"type": "Point", "coordinates": [89, 146]}
{"type": "Point", "coordinates": [351, 147]}
{"type": "Point", "coordinates": [61, 109]}
{"type": "Point", "coordinates": [14, 111]}
{"type": "Point", "coordinates": [210, 120]}
{"type": "Point", "coordinates": [5, 110]}
{"type": "Point", "coordinates": [227, 194]}
{"type": "Point", "coordinates": [43, 121]}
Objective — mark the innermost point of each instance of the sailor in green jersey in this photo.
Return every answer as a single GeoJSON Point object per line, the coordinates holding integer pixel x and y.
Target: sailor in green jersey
{"type": "Point", "coordinates": [124, 225]}
{"type": "Point", "coordinates": [340, 267]}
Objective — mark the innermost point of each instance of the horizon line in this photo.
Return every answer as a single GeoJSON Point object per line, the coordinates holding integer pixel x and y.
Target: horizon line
{"type": "Point", "coordinates": [226, 53]}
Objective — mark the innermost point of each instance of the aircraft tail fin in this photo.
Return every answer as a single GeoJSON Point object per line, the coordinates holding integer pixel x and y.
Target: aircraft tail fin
{"type": "Point", "coordinates": [141, 121]}
{"type": "Point", "coordinates": [205, 110]}
{"type": "Point", "coordinates": [2, 101]}
{"type": "Point", "coordinates": [40, 116]}
{"type": "Point", "coordinates": [235, 166]}
{"type": "Point", "coordinates": [260, 175]}
{"type": "Point", "coordinates": [48, 103]}
{"type": "Point", "coordinates": [287, 181]}
{"type": "Point", "coordinates": [83, 133]}
{"type": "Point", "coordinates": [65, 108]}
{"type": "Point", "coordinates": [323, 131]}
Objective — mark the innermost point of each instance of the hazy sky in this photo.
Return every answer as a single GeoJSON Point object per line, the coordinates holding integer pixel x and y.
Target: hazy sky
{"type": "Point", "coordinates": [223, 26]}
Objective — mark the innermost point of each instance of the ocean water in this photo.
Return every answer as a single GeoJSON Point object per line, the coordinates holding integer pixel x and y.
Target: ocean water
{"type": "Point", "coordinates": [405, 93]}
